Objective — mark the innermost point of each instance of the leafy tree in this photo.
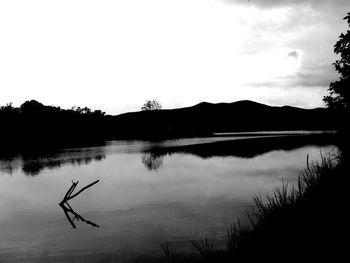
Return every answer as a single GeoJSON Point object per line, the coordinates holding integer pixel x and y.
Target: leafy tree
{"type": "Point", "coordinates": [8, 108]}
{"type": "Point", "coordinates": [32, 107]}
{"type": "Point", "coordinates": [79, 110]}
{"type": "Point", "coordinates": [339, 97]}
{"type": "Point", "coordinates": [151, 105]}
{"type": "Point", "coordinates": [86, 110]}
{"type": "Point", "coordinates": [99, 113]}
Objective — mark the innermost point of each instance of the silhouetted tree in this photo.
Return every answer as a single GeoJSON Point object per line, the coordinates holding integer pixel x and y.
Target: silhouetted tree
{"type": "Point", "coordinates": [34, 123]}
{"type": "Point", "coordinates": [339, 97]}
{"type": "Point", "coordinates": [151, 105]}
{"type": "Point", "coordinates": [8, 108]}
{"type": "Point", "coordinates": [99, 113]}
{"type": "Point", "coordinates": [32, 107]}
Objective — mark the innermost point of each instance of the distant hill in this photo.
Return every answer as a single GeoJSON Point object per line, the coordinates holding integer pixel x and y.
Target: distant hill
{"type": "Point", "coordinates": [207, 118]}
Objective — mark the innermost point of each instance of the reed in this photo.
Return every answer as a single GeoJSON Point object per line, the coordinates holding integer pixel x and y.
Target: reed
{"type": "Point", "coordinates": [205, 247]}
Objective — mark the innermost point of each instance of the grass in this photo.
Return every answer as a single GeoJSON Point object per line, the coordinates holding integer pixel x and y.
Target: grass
{"type": "Point", "coordinates": [302, 223]}
{"type": "Point", "coordinates": [171, 255]}
{"type": "Point", "coordinates": [205, 247]}
{"type": "Point", "coordinates": [286, 197]}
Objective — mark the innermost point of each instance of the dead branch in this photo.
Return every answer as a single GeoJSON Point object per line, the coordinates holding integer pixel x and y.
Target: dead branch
{"type": "Point", "coordinates": [70, 190]}
{"type": "Point", "coordinates": [81, 190]}
{"type": "Point", "coordinates": [69, 210]}
{"type": "Point", "coordinates": [68, 196]}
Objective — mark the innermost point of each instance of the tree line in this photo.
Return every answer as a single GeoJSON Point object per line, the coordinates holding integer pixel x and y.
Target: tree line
{"type": "Point", "coordinates": [44, 125]}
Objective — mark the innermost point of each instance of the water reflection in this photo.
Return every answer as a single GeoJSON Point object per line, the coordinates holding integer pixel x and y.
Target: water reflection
{"type": "Point", "coordinates": [243, 148]}
{"type": "Point", "coordinates": [33, 167]}
{"type": "Point", "coordinates": [72, 215]}
{"type": "Point", "coordinates": [152, 161]}
{"type": "Point", "coordinates": [153, 153]}
{"type": "Point", "coordinates": [9, 164]}
{"type": "Point", "coordinates": [34, 164]}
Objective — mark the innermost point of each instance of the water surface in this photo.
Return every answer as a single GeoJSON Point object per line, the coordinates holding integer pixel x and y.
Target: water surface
{"type": "Point", "coordinates": [144, 197]}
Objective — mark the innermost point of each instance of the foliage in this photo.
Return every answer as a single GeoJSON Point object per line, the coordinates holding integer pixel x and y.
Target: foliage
{"type": "Point", "coordinates": [36, 123]}
{"type": "Point", "coordinates": [35, 107]}
{"type": "Point", "coordinates": [8, 109]}
{"type": "Point", "coordinates": [339, 97]}
{"type": "Point", "coordinates": [151, 105]}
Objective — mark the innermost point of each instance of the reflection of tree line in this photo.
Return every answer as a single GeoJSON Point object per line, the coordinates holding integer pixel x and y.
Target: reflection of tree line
{"type": "Point", "coordinates": [34, 166]}
{"type": "Point", "coordinates": [241, 148]}
{"type": "Point", "coordinates": [152, 161]}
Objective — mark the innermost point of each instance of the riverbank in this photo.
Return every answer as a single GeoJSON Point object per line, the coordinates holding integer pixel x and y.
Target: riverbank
{"type": "Point", "coordinates": [301, 224]}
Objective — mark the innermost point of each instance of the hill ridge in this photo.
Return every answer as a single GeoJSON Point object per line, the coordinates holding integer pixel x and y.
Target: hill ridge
{"type": "Point", "coordinates": [205, 118]}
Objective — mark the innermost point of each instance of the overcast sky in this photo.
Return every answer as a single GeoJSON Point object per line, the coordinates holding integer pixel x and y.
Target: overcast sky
{"type": "Point", "coordinates": [114, 55]}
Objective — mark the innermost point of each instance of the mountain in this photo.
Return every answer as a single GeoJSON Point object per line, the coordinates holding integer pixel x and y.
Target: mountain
{"type": "Point", "coordinates": [207, 118]}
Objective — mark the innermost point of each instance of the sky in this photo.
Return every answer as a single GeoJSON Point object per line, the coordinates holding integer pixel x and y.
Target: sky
{"type": "Point", "coordinates": [115, 55]}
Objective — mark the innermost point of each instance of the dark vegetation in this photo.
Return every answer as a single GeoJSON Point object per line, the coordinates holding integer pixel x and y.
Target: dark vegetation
{"type": "Point", "coordinates": [151, 105]}
{"type": "Point", "coordinates": [338, 98]}
{"type": "Point", "coordinates": [339, 93]}
{"type": "Point", "coordinates": [34, 125]}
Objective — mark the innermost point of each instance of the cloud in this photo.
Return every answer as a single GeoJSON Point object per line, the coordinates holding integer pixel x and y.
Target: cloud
{"type": "Point", "coordinates": [319, 76]}
{"type": "Point", "coordinates": [298, 96]}
{"type": "Point", "coordinates": [294, 54]}
{"type": "Point", "coordinates": [306, 30]}
{"type": "Point", "coordinates": [284, 3]}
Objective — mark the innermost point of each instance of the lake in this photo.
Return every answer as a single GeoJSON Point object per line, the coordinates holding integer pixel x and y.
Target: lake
{"type": "Point", "coordinates": [148, 193]}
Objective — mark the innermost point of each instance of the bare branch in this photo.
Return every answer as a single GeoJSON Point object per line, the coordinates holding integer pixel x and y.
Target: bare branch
{"type": "Point", "coordinates": [81, 190]}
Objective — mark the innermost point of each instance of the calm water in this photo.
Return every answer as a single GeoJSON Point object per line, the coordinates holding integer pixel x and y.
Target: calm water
{"type": "Point", "coordinates": [142, 198]}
